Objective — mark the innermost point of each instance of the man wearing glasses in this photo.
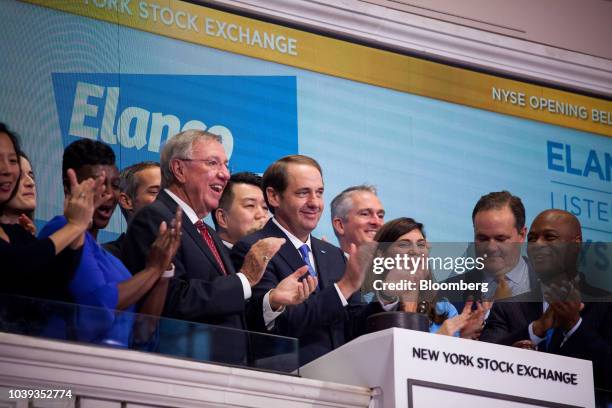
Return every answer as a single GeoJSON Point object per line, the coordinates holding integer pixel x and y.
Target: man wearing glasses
{"type": "Point", "coordinates": [205, 287]}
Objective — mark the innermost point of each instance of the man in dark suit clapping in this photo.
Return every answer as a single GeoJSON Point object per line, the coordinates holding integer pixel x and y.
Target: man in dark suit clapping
{"type": "Point", "coordinates": [333, 314]}
{"type": "Point", "coordinates": [563, 314]}
{"type": "Point", "coordinates": [205, 287]}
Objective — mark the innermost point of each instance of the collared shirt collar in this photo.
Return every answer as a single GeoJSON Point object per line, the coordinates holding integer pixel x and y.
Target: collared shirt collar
{"type": "Point", "coordinates": [187, 210]}
{"type": "Point", "coordinates": [518, 272]}
{"type": "Point", "coordinates": [229, 245]}
{"type": "Point", "coordinates": [515, 274]}
{"type": "Point", "coordinates": [518, 278]}
{"type": "Point", "coordinates": [297, 243]}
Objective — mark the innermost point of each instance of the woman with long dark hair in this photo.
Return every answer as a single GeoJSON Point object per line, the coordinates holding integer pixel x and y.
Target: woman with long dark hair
{"type": "Point", "coordinates": [25, 259]}
{"type": "Point", "coordinates": [20, 209]}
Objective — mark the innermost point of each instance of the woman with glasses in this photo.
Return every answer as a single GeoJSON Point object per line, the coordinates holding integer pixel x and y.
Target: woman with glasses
{"type": "Point", "coordinates": [405, 236]}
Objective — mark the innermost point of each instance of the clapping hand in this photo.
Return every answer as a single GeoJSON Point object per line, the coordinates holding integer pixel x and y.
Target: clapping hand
{"type": "Point", "coordinates": [565, 305]}
{"type": "Point", "coordinates": [27, 224]}
{"type": "Point", "coordinates": [355, 272]}
{"type": "Point", "coordinates": [256, 260]}
{"type": "Point", "coordinates": [81, 201]}
{"type": "Point", "coordinates": [524, 344]}
{"type": "Point", "coordinates": [292, 290]}
{"type": "Point", "coordinates": [475, 323]}
{"type": "Point", "coordinates": [567, 309]}
{"type": "Point", "coordinates": [452, 325]}
{"type": "Point", "coordinates": [166, 244]}
{"type": "Point", "coordinates": [545, 322]}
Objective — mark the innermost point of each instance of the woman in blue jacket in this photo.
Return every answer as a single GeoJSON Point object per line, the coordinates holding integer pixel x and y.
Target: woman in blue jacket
{"type": "Point", "coordinates": [101, 280]}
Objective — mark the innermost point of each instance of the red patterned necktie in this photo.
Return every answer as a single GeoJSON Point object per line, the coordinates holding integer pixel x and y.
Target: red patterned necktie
{"type": "Point", "coordinates": [209, 241]}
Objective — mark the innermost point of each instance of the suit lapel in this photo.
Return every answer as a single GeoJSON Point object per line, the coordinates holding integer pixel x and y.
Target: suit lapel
{"type": "Point", "coordinates": [530, 310]}
{"type": "Point", "coordinates": [193, 232]}
{"type": "Point", "coordinates": [322, 262]}
{"type": "Point", "coordinates": [195, 235]}
{"type": "Point", "coordinates": [287, 251]}
{"type": "Point", "coordinates": [555, 341]}
{"type": "Point", "coordinates": [534, 284]}
{"type": "Point", "coordinates": [222, 249]}
{"type": "Point", "coordinates": [533, 309]}
{"type": "Point", "coordinates": [557, 338]}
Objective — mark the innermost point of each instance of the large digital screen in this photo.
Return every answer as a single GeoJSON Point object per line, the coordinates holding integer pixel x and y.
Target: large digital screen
{"type": "Point", "coordinates": [432, 138]}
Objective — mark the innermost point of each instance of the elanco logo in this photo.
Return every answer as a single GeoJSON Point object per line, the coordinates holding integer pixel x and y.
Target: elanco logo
{"type": "Point", "coordinates": [136, 114]}
{"type": "Point", "coordinates": [132, 117]}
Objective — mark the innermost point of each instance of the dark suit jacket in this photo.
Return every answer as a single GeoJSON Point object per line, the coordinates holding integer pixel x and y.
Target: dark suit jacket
{"type": "Point", "coordinates": [199, 291]}
{"type": "Point", "coordinates": [321, 323]}
{"type": "Point", "coordinates": [114, 247]}
{"type": "Point", "coordinates": [509, 320]}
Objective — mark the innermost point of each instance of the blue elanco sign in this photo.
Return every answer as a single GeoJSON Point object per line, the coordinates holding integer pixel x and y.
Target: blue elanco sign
{"type": "Point", "coordinates": [135, 114]}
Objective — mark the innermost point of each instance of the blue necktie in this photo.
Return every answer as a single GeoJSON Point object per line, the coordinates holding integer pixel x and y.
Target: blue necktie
{"type": "Point", "coordinates": [304, 250]}
{"type": "Point", "coordinates": [549, 335]}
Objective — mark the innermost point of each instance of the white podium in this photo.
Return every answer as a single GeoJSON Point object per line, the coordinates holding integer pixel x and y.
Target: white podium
{"type": "Point", "coordinates": [421, 370]}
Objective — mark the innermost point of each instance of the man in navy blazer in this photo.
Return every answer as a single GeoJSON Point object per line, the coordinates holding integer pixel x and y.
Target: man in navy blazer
{"type": "Point", "coordinates": [333, 314]}
{"type": "Point", "coordinates": [205, 288]}
{"type": "Point", "coordinates": [563, 314]}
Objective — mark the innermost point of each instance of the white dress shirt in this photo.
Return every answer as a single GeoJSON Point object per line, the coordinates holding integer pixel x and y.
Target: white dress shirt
{"type": "Point", "coordinates": [297, 243]}
{"type": "Point", "coordinates": [517, 279]}
{"type": "Point", "coordinates": [269, 314]}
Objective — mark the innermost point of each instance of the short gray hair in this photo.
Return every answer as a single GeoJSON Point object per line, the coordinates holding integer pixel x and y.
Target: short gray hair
{"type": "Point", "coordinates": [180, 146]}
{"type": "Point", "coordinates": [343, 202]}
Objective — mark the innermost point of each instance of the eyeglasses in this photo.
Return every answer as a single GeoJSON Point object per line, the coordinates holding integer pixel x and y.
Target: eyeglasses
{"type": "Point", "coordinates": [210, 163]}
